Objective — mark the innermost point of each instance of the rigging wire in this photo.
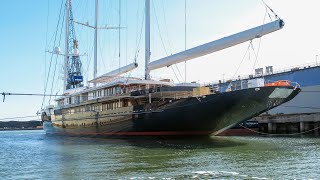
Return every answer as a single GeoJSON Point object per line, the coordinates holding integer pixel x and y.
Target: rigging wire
{"type": "Point", "coordinates": [245, 54]}
{"type": "Point", "coordinates": [14, 118]}
{"type": "Point", "coordinates": [139, 41]}
{"type": "Point", "coordinates": [90, 47]}
{"type": "Point", "coordinates": [100, 60]}
{"type": "Point", "coordinates": [53, 80]}
{"type": "Point", "coordinates": [137, 24]}
{"type": "Point", "coordinates": [302, 107]}
{"type": "Point", "coordinates": [255, 55]}
{"type": "Point", "coordinates": [175, 65]}
{"type": "Point", "coordinates": [185, 38]}
{"type": "Point", "coordinates": [270, 134]}
{"type": "Point", "coordinates": [55, 68]}
{"type": "Point", "coordinates": [35, 94]}
{"type": "Point", "coordinates": [27, 94]}
{"type": "Point", "coordinates": [162, 42]}
{"type": "Point", "coordinates": [259, 44]}
{"type": "Point", "coordinates": [4, 94]}
{"type": "Point", "coordinates": [119, 34]}
{"type": "Point", "coordinates": [55, 37]}
{"type": "Point", "coordinates": [100, 52]}
{"type": "Point", "coordinates": [268, 7]}
{"type": "Point", "coordinates": [258, 50]}
{"type": "Point", "coordinates": [115, 50]}
{"type": "Point", "coordinates": [175, 74]}
{"type": "Point", "coordinates": [113, 38]}
{"type": "Point", "coordinates": [268, 14]}
{"type": "Point", "coordinates": [166, 28]}
{"type": "Point", "coordinates": [138, 35]}
{"type": "Point", "coordinates": [88, 56]}
{"type": "Point", "coordinates": [45, 54]}
{"type": "Point", "coordinates": [309, 91]}
{"type": "Point", "coordinates": [126, 23]}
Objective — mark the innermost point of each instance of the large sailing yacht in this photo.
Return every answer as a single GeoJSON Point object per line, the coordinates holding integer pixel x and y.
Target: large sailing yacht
{"type": "Point", "coordinates": [117, 106]}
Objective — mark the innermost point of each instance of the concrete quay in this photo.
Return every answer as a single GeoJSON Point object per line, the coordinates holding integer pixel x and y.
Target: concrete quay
{"type": "Point", "coordinates": [289, 124]}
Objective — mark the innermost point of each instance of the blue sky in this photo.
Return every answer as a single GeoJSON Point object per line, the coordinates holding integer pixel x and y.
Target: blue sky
{"type": "Point", "coordinates": [27, 29]}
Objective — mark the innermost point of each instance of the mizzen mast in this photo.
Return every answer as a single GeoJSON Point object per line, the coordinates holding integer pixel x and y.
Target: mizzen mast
{"type": "Point", "coordinates": [95, 43]}
{"type": "Point", "coordinates": [95, 63]}
{"type": "Point", "coordinates": [147, 40]}
{"type": "Point", "coordinates": [65, 68]}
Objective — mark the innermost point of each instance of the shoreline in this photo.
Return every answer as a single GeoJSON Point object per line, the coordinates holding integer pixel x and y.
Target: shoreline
{"type": "Point", "coordinates": [20, 129]}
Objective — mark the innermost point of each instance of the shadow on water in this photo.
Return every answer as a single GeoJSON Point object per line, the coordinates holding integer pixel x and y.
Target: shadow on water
{"type": "Point", "coordinates": [184, 142]}
{"type": "Point", "coordinates": [169, 142]}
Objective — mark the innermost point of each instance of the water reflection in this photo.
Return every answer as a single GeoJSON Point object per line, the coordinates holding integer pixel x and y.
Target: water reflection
{"type": "Point", "coordinates": [33, 154]}
{"type": "Point", "coordinates": [131, 156]}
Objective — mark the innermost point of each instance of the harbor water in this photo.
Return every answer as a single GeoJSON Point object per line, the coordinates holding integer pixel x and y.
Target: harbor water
{"type": "Point", "coordinates": [35, 155]}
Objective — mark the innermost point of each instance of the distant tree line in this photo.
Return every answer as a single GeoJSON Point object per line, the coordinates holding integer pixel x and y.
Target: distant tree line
{"type": "Point", "coordinates": [19, 124]}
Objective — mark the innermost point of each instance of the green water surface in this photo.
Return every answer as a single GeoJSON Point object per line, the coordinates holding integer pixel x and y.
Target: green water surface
{"type": "Point", "coordinates": [34, 155]}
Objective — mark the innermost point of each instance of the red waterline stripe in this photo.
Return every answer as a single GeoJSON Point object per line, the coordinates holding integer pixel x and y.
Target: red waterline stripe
{"type": "Point", "coordinates": [158, 133]}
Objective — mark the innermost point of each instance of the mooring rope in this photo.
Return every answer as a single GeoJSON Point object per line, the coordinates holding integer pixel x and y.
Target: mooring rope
{"type": "Point", "coordinates": [4, 94]}
{"type": "Point", "coordinates": [271, 134]}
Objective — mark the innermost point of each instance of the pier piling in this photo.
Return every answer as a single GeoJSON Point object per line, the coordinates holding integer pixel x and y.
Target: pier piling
{"type": "Point", "coordinates": [289, 123]}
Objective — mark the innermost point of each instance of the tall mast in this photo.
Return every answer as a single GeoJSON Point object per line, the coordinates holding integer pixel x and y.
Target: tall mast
{"type": "Point", "coordinates": [185, 38]}
{"type": "Point", "coordinates": [96, 28]}
{"type": "Point", "coordinates": [147, 40]}
{"type": "Point", "coordinates": [65, 79]}
{"type": "Point", "coordinates": [95, 43]}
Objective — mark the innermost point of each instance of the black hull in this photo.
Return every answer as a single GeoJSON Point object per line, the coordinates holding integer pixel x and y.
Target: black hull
{"type": "Point", "coordinates": [210, 114]}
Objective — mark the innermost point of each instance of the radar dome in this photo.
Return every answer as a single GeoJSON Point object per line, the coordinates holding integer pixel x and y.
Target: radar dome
{"type": "Point", "coordinates": [57, 50]}
{"type": "Point", "coordinates": [75, 52]}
